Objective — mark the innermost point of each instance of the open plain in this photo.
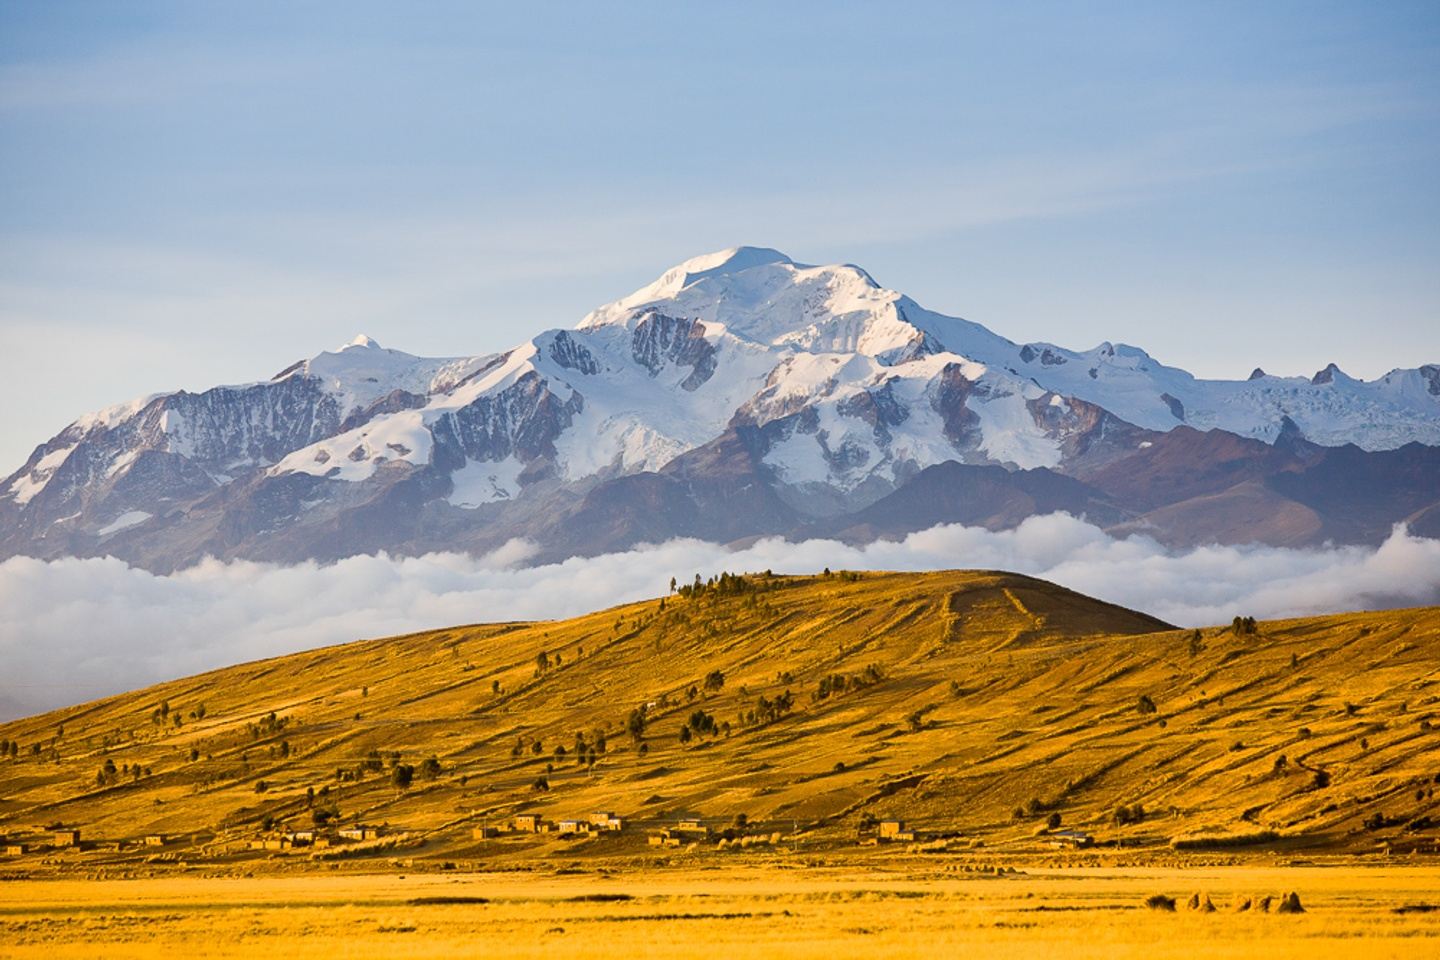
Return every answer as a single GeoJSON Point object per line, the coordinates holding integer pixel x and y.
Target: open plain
{"type": "Point", "coordinates": [899, 909]}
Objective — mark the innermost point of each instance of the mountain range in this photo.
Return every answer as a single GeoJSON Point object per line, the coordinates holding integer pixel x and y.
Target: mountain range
{"type": "Point", "coordinates": [740, 395]}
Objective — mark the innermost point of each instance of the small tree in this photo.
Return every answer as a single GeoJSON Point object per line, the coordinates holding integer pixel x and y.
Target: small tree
{"type": "Point", "coordinates": [402, 775]}
{"type": "Point", "coordinates": [1053, 821]}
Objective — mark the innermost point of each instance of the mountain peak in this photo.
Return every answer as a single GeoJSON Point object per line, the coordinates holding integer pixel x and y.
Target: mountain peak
{"type": "Point", "coordinates": [681, 277]}
{"type": "Point", "coordinates": [363, 341]}
{"type": "Point", "coordinates": [718, 264]}
{"type": "Point", "coordinates": [730, 260]}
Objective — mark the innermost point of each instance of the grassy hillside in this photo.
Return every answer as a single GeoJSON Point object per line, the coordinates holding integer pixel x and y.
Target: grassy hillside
{"type": "Point", "coordinates": [974, 704]}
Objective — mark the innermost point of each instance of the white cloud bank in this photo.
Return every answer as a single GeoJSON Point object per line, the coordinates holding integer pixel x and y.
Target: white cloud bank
{"type": "Point", "coordinates": [72, 630]}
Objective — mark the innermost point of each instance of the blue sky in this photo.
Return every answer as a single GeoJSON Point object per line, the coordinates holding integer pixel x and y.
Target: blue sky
{"type": "Point", "coordinates": [200, 193]}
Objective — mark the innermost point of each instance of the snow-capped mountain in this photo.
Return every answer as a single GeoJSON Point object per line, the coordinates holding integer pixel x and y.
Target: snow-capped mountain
{"type": "Point", "coordinates": [815, 391]}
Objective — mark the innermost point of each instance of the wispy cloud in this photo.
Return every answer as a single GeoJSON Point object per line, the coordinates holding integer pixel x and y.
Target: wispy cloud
{"type": "Point", "coordinates": [72, 629]}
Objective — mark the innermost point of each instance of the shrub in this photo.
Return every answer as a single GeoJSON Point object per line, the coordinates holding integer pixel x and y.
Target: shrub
{"type": "Point", "coordinates": [1221, 841]}
{"type": "Point", "coordinates": [1125, 815]}
{"type": "Point", "coordinates": [402, 775]}
{"type": "Point", "coordinates": [1145, 705]}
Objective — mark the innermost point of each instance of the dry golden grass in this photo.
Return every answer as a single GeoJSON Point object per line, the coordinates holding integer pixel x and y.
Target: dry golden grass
{"type": "Point", "coordinates": [997, 690]}
{"type": "Point", "coordinates": [744, 912]}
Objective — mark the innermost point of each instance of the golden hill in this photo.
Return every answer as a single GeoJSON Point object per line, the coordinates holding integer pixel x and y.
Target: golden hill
{"type": "Point", "coordinates": [972, 705]}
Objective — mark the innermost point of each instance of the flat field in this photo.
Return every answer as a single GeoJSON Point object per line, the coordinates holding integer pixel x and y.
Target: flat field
{"type": "Point", "coordinates": [1351, 911]}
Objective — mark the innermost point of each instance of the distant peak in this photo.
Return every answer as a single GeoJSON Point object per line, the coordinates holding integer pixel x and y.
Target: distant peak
{"type": "Point", "coordinates": [721, 263]}
{"type": "Point", "coordinates": [1327, 375]}
{"type": "Point", "coordinates": [735, 258]}
{"type": "Point", "coordinates": [1257, 374]}
{"type": "Point", "coordinates": [362, 340]}
{"type": "Point", "coordinates": [731, 260]}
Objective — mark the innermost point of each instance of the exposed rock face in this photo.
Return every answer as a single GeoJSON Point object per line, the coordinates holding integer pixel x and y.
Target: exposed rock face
{"type": "Point", "coordinates": [659, 339]}
{"type": "Point", "coordinates": [741, 394]}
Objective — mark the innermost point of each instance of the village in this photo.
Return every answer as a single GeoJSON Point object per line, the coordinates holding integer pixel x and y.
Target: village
{"type": "Point", "coordinates": [684, 831]}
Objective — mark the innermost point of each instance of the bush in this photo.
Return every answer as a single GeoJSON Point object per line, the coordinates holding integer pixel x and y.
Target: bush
{"type": "Point", "coordinates": [1125, 815]}
{"type": "Point", "coordinates": [402, 775]}
{"type": "Point", "coordinates": [1221, 841]}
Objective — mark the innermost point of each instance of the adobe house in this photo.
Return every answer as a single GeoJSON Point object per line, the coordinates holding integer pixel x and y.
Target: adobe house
{"type": "Point", "coordinates": [14, 849]}
{"type": "Point", "coordinates": [574, 826]}
{"type": "Point", "coordinates": [359, 831]}
{"type": "Point", "coordinates": [526, 823]}
{"type": "Point", "coordinates": [1070, 840]}
{"type": "Point", "coordinates": [67, 838]}
{"type": "Point", "coordinates": [482, 833]}
{"type": "Point", "coordinates": [691, 826]}
{"type": "Point", "coordinates": [605, 821]}
{"type": "Point", "coordinates": [889, 829]}
{"type": "Point", "coordinates": [154, 840]}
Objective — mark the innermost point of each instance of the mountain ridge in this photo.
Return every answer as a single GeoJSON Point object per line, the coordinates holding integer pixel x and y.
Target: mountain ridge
{"type": "Point", "coordinates": [836, 392]}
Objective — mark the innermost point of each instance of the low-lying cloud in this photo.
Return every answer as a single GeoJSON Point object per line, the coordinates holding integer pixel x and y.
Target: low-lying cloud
{"type": "Point", "coordinates": [72, 630]}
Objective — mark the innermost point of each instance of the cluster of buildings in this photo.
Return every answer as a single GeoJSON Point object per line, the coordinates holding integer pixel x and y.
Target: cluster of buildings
{"type": "Point", "coordinates": [59, 839]}
{"type": "Point", "coordinates": [319, 840]}
{"type": "Point", "coordinates": [889, 831]}
{"type": "Point", "coordinates": [598, 822]}
{"type": "Point", "coordinates": [683, 832]}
